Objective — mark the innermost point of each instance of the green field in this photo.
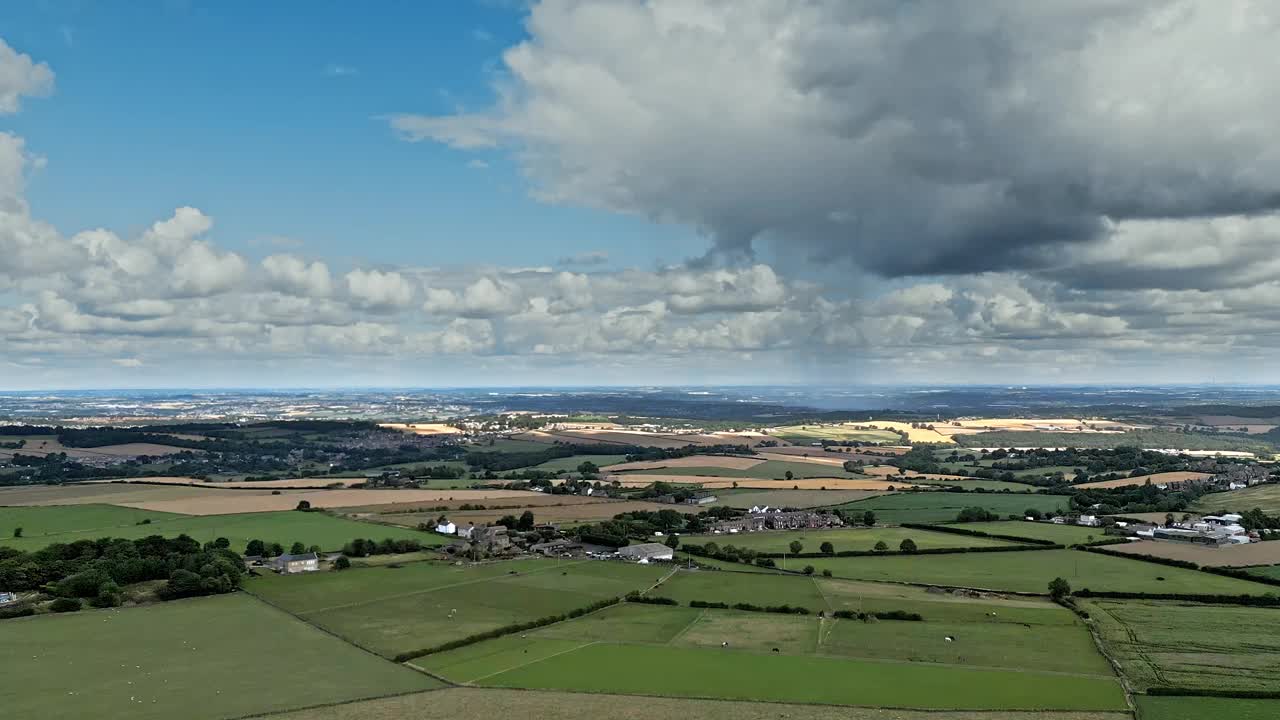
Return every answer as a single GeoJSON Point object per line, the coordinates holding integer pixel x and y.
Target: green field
{"type": "Point", "coordinates": [747, 498]}
{"type": "Point", "coordinates": [1263, 497]}
{"type": "Point", "coordinates": [572, 462]}
{"type": "Point", "coordinates": [217, 657]}
{"type": "Point", "coordinates": [743, 675]}
{"type": "Point", "coordinates": [941, 607]}
{"type": "Point", "coordinates": [1133, 438]}
{"type": "Point", "coordinates": [1061, 534]}
{"type": "Point", "coordinates": [286, 528]}
{"type": "Point", "coordinates": [398, 610]}
{"type": "Point", "coordinates": [936, 507]}
{"type": "Point", "coordinates": [973, 484]}
{"type": "Point", "coordinates": [509, 445]}
{"type": "Point", "coordinates": [1267, 571]}
{"type": "Point", "coordinates": [477, 702]}
{"type": "Point", "coordinates": [54, 519]}
{"type": "Point", "coordinates": [1201, 708]}
{"type": "Point", "coordinates": [1223, 647]}
{"type": "Point", "coordinates": [1031, 571]}
{"type": "Point", "coordinates": [754, 588]}
{"type": "Point", "coordinates": [842, 539]}
{"type": "Point", "coordinates": [767, 470]}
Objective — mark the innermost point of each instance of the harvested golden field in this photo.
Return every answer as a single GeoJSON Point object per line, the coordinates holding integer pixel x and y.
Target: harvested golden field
{"type": "Point", "coordinates": [578, 512]}
{"type": "Point", "coordinates": [709, 482]}
{"type": "Point", "coordinates": [1259, 553]}
{"type": "Point", "coordinates": [623, 436]}
{"type": "Point", "coordinates": [423, 428]}
{"type": "Point", "coordinates": [813, 459]}
{"type": "Point", "coordinates": [1166, 478]}
{"type": "Point", "coordinates": [719, 461]}
{"type": "Point", "coordinates": [889, 471]}
{"type": "Point", "coordinates": [290, 484]}
{"type": "Point", "coordinates": [231, 502]}
{"type": "Point", "coordinates": [474, 702]}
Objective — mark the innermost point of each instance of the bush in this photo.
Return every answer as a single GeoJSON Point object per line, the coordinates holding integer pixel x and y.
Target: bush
{"type": "Point", "coordinates": [63, 605]}
{"type": "Point", "coordinates": [342, 563]}
{"type": "Point", "coordinates": [636, 597]}
{"type": "Point", "coordinates": [826, 572]}
{"type": "Point", "coordinates": [705, 604]}
{"type": "Point", "coordinates": [884, 615]}
{"type": "Point", "coordinates": [8, 613]}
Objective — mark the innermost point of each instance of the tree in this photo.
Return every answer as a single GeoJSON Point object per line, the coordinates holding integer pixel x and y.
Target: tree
{"type": "Point", "coordinates": [881, 546]}
{"type": "Point", "coordinates": [17, 532]}
{"type": "Point", "coordinates": [827, 548]}
{"type": "Point", "coordinates": [297, 548]}
{"type": "Point", "coordinates": [711, 549]}
{"type": "Point", "coordinates": [673, 542]}
{"type": "Point", "coordinates": [342, 563]}
{"type": "Point", "coordinates": [256, 548]}
{"type": "Point", "coordinates": [868, 518]}
{"type": "Point", "coordinates": [62, 605]}
{"type": "Point", "coordinates": [303, 505]}
{"type": "Point", "coordinates": [907, 545]}
{"type": "Point", "coordinates": [508, 521]}
{"type": "Point", "coordinates": [790, 475]}
{"type": "Point", "coordinates": [222, 543]}
{"type": "Point", "coordinates": [275, 549]}
{"type": "Point", "coordinates": [826, 572]}
{"type": "Point", "coordinates": [808, 569]}
{"type": "Point", "coordinates": [526, 520]}
{"type": "Point", "coordinates": [796, 546]}
{"type": "Point", "coordinates": [1059, 588]}
{"type": "Point", "coordinates": [1168, 518]}
{"type": "Point", "coordinates": [1033, 513]}
{"type": "Point", "coordinates": [588, 468]}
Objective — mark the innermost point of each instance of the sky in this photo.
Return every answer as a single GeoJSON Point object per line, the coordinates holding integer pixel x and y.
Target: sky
{"type": "Point", "coordinates": [300, 194]}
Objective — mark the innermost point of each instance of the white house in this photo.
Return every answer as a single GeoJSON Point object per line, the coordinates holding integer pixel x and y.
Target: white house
{"type": "Point", "coordinates": [1234, 485]}
{"type": "Point", "coordinates": [290, 564]}
{"type": "Point", "coordinates": [1089, 520]}
{"type": "Point", "coordinates": [447, 528]}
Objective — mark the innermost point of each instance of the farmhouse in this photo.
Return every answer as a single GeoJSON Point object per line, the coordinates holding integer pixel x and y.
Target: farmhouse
{"type": "Point", "coordinates": [291, 564]}
{"type": "Point", "coordinates": [700, 498]}
{"type": "Point", "coordinates": [447, 528]}
{"type": "Point", "coordinates": [646, 552]}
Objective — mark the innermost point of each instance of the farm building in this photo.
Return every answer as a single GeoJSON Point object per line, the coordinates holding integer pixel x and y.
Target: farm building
{"type": "Point", "coordinates": [7, 597]}
{"type": "Point", "coordinates": [291, 564]}
{"type": "Point", "coordinates": [646, 552]}
{"type": "Point", "coordinates": [447, 528]}
{"type": "Point", "coordinates": [770, 519]}
{"type": "Point", "coordinates": [702, 498]}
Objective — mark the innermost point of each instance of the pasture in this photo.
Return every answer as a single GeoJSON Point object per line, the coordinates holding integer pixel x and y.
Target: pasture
{"type": "Point", "coordinates": [1031, 571]}
{"type": "Point", "coordinates": [743, 675]}
{"type": "Point", "coordinates": [737, 587]}
{"type": "Point", "coordinates": [1061, 534]}
{"type": "Point", "coordinates": [937, 605]}
{"type": "Point", "coordinates": [232, 501]}
{"type": "Point", "coordinates": [644, 479]}
{"type": "Point", "coordinates": [843, 432]}
{"type": "Point", "coordinates": [728, 462]}
{"type": "Point", "coordinates": [286, 528]}
{"type": "Point", "coordinates": [766, 470]}
{"type": "Point", "coordinates": [1263, 497]}
{"type": "Point", "coordinates": [571, 463]}
{"type": "Point", "coordinates": [746, 499]}
{"type": "Point", "coordinates": [1223, 647]}
{"type": "Point", "coordinates": [778, 541]}
{"type": "Point", "coordinates": [1258, 553]}
{"type": "Point", "coordinates": [1199, 708]}
{"type": "Point", "coordinates": [398, 610]}
{"type": "Point", "coordinates": [205, 658]}
{"type": "Point", "coordinates": [940, 507]}
{"type": "Point", "coordinates": [39, 521]}
{"type": "Point", "coordinates": [567, 513]}
{"type": "Point", "coordinates": [497, 702]}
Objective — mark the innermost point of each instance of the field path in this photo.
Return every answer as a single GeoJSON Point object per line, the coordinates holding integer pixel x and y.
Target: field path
{"type": "Point", "coordinates": [686, 628]}
{"type": "Point", "coordinates": [433, 589]}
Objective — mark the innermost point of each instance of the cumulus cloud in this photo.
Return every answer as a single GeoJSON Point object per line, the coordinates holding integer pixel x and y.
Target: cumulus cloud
{"type": "Point", "coordinates": [21, 76]}
{"type": "Point", "coordinates": [378, 290]}
{"type": "Point", "coordinates": [917, 139]}
{"type": "Point", "coordinates": [291, 274]}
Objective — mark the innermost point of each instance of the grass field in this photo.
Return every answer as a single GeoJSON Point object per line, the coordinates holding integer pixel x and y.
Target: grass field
{"type": "Point", "coordinates": [1200, 708]}
{"type": "Point", "coordinates": [1031, 571]}
{"type": "Point", "coordinates": [52, 520]}
{"type": "Point", "coordinates": [1149, 439]}
{"type": "Point", "coordinates": [746, 499]}
{"type": "Point", "coordinates": [1164, 478]}
{"type": "Point", "coordinates": [817, 433]}
{"type": "Point", "coordinates": [731, 587]}
{"type": "Point", "coordinates": [497, 702]}
{"type": "Point", "coordinates": [767, 470]}
{"type": "Point", "coordinates": [742, 675]}
{"type": "Point", "coordinates": [1191, 645]}
{"type": "Point", "coordinates": [941, 606]}
{"type": "Point", "coordinates": [936, 507]}
{"type": "Point", "coordinates": [330, 533]}
{"type": "Point", "coordinates": [395, 610]}
{"type": "Point", "coordinates": [572, 462]}
{"type": "Point", "coordinates": [1264, 497]}
{"type": "Point", "coordinates": [1267, 571]}
{"type": "Point", "coordinates": [841, 539]}
{"type": "Point", "coordinates": [218, 657]}
{"type": "Point", "coordinates": [567, 513]}
{"type": "Point", "coordinates": [1062, 534]}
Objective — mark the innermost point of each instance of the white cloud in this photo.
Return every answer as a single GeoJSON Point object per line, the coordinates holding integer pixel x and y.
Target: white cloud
{"type": "Point", "coordinates": [291, 274]}
{"type": "Point", "coordinates": [21, 76]}
{"type": "Point", "coordinates": [378, 290]}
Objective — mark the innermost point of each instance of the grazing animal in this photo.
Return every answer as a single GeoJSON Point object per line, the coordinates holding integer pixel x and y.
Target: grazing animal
{"type": "Point", "coordinates": [949, 639]}
{"type": "Point", "coordinates": [724, 644]}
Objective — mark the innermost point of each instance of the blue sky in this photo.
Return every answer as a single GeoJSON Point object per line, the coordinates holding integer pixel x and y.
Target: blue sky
{"type": "Point", "coordinates": [271, 118]}
{"type": "Point", "coordinates": [197, 193]}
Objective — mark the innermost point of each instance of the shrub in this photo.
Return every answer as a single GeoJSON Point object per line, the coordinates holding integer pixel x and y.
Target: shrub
{"type": "Point", "coordinates": [62, 605]}
{"type": "Point", "coordinates": [705, 604]}
{"type": "Point", "coordinates": [342, 563]}
{"type": "Point", "coordinates": [826, 572]}
{"type": "Point", "coordinates": [636, 597]}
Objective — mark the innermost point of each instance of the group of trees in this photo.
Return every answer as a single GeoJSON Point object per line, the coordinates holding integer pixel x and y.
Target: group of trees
{"type": "Point", "coordinates": [361, 547]}
{"type": "Point", "coordinates": [96, 570]}
{"type": "Point", "coordinates": [524, 523]}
